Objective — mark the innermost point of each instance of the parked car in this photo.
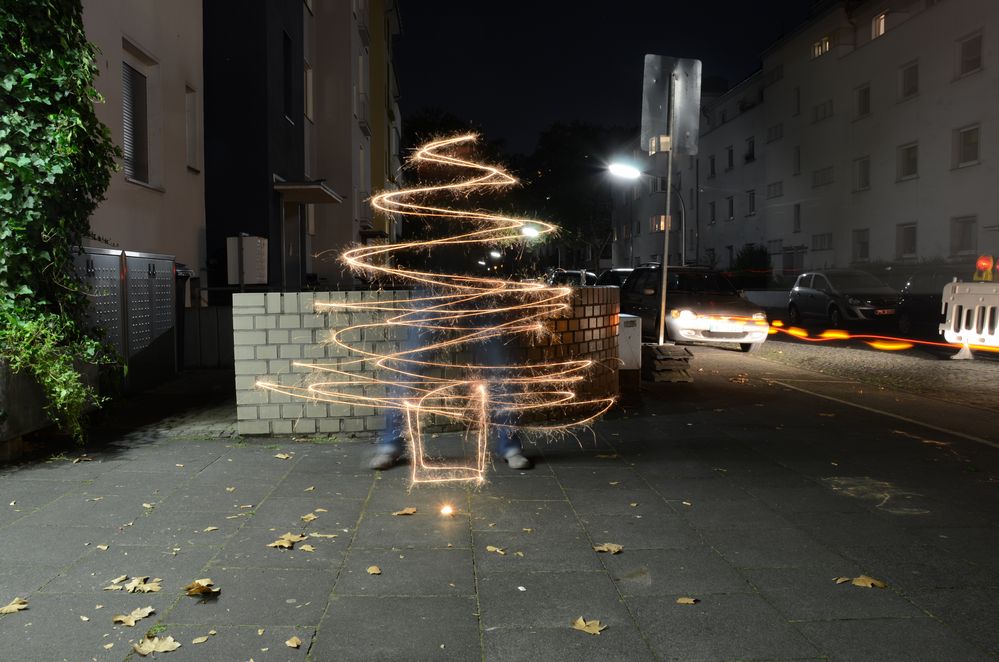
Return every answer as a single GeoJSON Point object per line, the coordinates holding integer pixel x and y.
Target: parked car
{"type": "Point", "coordinates": [839, 296]}
{"type": "Point", "coordinates": [921, 300]}
{"type": "Point", "coordinates": [702, 306]}
{"type": "Point", "coordinates": [614, 277]}
{"type": "Point", "coordinates": [571, 277]}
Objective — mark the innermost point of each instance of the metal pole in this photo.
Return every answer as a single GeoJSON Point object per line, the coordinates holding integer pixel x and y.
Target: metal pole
{"type": "Point", "coordinates": [669, 188]}
{"type": "Point", "coordinates": [683, 228]}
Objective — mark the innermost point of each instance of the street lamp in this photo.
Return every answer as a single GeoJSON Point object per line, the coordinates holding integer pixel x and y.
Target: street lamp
{"type": "Point", "coordinates": [495, 254]}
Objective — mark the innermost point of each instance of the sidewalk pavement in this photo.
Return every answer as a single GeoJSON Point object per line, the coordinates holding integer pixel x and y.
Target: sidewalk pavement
{"type": "Point", "coordinates": [737, 491]}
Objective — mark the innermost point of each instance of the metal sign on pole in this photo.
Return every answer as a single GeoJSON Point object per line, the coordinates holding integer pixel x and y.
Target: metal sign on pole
{"type": "Point", "coordinates": [671, 101]}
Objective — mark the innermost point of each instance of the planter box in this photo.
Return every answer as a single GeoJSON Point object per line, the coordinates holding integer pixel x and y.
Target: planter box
{"type": "Point", "coordinates": [21, 403]}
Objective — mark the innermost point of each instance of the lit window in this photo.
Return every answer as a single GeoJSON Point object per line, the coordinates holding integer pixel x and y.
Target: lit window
{"type": "Point", "coordinates": [657, 223]}
{"type": "Point", "coordinates": [908, 161]}
{"type": "Point", "coordinates": [964, 235]}
{"type": "Point", "coordinates": [821, 47]}
{"type": "Point", "coordinates": [970, 54]}
{"type": "Point", "coordinates": [878, 25]}
{"type": "Point", "coordinates": [908, 81]}
{"type": "Point", "coordinates": [966, 146]}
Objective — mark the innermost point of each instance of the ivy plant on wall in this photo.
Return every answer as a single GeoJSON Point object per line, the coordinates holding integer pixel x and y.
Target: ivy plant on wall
{"type": "Point", "coordinates": [56, 160]}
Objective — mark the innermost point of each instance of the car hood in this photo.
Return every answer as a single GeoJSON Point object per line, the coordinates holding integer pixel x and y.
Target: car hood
{"type": "Point", "coordinates": [872, 293]}
{"type": "Point", "coordinates": [703, 303]}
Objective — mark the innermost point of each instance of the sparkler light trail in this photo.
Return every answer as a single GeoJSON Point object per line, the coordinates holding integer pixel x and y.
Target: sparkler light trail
{"type": "Point", "coordinates": [884, 343]}
{"type": "Point", "coordinates": [456, 312]}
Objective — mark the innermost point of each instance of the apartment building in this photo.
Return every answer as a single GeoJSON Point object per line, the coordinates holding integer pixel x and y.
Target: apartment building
{"type": "Point", "coordinates": [867, 139]}
{"type": "Point", "coordinates": [150, 76]}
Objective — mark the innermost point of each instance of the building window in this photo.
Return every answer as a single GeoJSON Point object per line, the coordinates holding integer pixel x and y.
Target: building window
{"type": "Point", "coordinates": [822, 242]}
{"type": "Point", "coordinates": [711, 166]}
{"type": "Point", "coordinates": [775, 189]}
{"type": "Point", "coordinates": [908, 161]}
{"type": "Point", "coordinates": [966, 144]}
{"type": "Point", "coordinates": [796, 101]}
{"type": "Point", "coordinates": [730, 157]}
{"type": "Point", "coordinates": [822, 111]}
{"type": "Point", "coordinates": [823, 176]}
{"type": "Point", "coordinates": [750, 150]}
{"type": "Point", "coordinates": [862, 101]}
{"type": "Point", "coordinates": [796, 160]}
{"type": "Point", "coordinates": [731, 206]}
{"type": "Point", "coordinates": [775, 132]}
{"type": "Point", "coordinates": [626, 230]}
{"type": "Point", "coordinates": [751, 202]}
{"type": "Point", "coordinates": [862, 173]}
{"type": "Point", "coordinates": [309, 89]}
{"type": "Point", "coordinates": [878, 25]}
{"type": "Point", "coordinates": [964, 235]}
{"type": "Point", "coordinates": [821, 47]}
{"type": "Point", "coordinates": [796, 222]}
{"type": "Point", "coordinates": [712, 217]}
{"type": "Point", "coordinates": [135, 123]}
{"type": "Point", "coordinates": [191, 126]}
{"type": "Point", "coordinates": [861, 245]}
{"type": "Point", "coordinates": [969, 55]}
{"type": "Point", "coordinates": [905, 240]}
{"type": "Point", "coordinates": [286, 70]}
{"type": "Point", "coordinates": [773, 75]}
{"type": "Point", "coordinates": [908, 81]}
{"type": "Point", "coordinates": [657, 223]}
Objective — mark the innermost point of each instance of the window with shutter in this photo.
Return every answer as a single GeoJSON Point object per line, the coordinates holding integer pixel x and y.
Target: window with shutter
{"type": "Point", "coordinates": [134, 123]}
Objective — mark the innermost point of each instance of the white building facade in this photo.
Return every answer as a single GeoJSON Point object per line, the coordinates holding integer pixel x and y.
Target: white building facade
{"type": "Point", "coordinates": [869, 138]}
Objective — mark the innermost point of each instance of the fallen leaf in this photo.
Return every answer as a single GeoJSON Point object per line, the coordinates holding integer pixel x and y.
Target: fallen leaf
{"type": "Point", "coordinates": [245, 506]}
{"type": "Point", "coordinates": [864, 581]}
{"type": "Point", "coordinates": [310, 488]}
{"type": "Point", "coordinates": [84, 618]}
{"type": "Point", "coordinates": [496, 550]}
{"type": "Point", "coordinates": [841, 580]}
{"type": "Point", "coordinates": [103, 548]}
{"type": "Point", "coordinates": [131, 618]}
{"type": "Point", "coordinates": [686, 503]}
{"type": "Point", "coordinates": [687, 601]}
{"type": "Point", "coordinates": [374, 570]}
{"type": "Point", "coordinates": [322, 535]}
{"type": "Point", "coordinates": [140, 585]}
{"type": "Point", "coordinates": [283, 456]}
{"type": "Point", "coordinates": [287, 541]}
{"type": "Point", "coordinates": [179, 466]}
{"type": "Point", "coordinates": [16, 605]}
{"type": "Point", "coordinates": [614, 482]}
{"type": "Point", "coordinates": [230, 489]}
{"type": "Point", "coordinates": [405, 511]}
{"type": "Point", "coordinates": [633, 504]}
{"type": "Point", "coordinates": [741, 378]}
{"type": "Point", "coordinates": [308, 517]}
{"type": "Point", "coordinates": [613, 548]}
{"type": "Point", "coordinates": [108, 647]}
{"type": "Point", "coordinates": [156, 645]}
{"type": "Point", "coordinates": [202, 587]}
{"type": "Point", "coordinates": [210, 529]}
{"type": "Point", "coordinates": [260, 632]}
{"type": "Point", "coordinates": [528, 530]}
{"type": "Point", "coordinates": [199, 640]}
{"type": "Point", "coordinates": [320, 510]}
{"type": "Point", "coordinates": [212, 632]}
{"type": "Point", "coordinates": [148, 505]}
{"type": "Point", "coordinates": [307, 548]}
{"type": "Point", "coordinates": [520, 554]}
{"type": "Point", "coordinates": [589, 627]}
{"type": "Point", "coordinates": [294, 642]}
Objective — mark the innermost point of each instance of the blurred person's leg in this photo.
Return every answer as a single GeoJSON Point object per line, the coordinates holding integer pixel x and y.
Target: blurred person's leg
{"type": "Point", "coordinates": [506, 440]}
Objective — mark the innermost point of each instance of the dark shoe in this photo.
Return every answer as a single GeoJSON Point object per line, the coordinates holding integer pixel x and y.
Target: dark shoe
{"type": "Point", "coordinates": [518, 461]}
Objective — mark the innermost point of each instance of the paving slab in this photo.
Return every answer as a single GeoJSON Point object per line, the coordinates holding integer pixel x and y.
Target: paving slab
{"type": "Point", "coordinates": [622, 641]}
{"type": "Point", "coordinates": [549, 599]}
{"type": "Point", "coordinates": [407, 572]}
{"type": "Point", "coordinates": [694, 571]}
{"type": "Point", "coordinates": [891, 640]}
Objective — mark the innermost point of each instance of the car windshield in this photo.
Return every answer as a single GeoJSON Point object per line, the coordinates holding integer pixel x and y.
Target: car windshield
{"type": "Point", "coordinates": [708, 282]}
{"type": "Point", "coordinates": [855, 281]}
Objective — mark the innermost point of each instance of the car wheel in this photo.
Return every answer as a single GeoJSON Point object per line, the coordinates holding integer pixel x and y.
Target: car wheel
{"type": "Point", "coordinates": [835, 317]}
{"type": "Point", "coordinates": [793, 316]}
{"type": "Point", "coordinates": [904, 324]}
{"type": "Point", "coordinates": [750, 347]}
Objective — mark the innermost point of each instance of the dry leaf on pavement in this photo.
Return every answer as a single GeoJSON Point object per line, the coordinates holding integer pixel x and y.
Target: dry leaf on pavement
{"type": "Point", "coordinates": [209, 529]}
{"type": "Point", "coordinates": [687, 601]}
{"type": "Point", "coordinates": [156, 645]}
{"type": "Point", "coordinates": [202, 587]}
{"type": "Point", "coordinates": [116, 583]}
{"type": "Point", "coordinates": [405, 511]}
{"type": "Point", "coordinates": [613, 548]}
{"type": "Point", "coordinates": [135, 615]}
{"type": "Point", "coordinates": [374, 570]}
{"type": "Point", "coordinates": [16, 605]}
{"type": "Point", "coordinates": [307, 548]}
{"type": "Point", "coordinates": [294, 642]}
{"type": "Point", "coordinates": [322, 535]}
{"type": "Point", "coordinates": [496, 550]}
{"type": "Point", "coordinates": [308, 517]}
{"type": "Point", "coordinates": [283, 456]}
{"type": "Point", "coordinates": [841, 580]}
{"type": "Point", "coordinates": [287, 541]}
{"type": "Point", "coordinates": [310, 488]}
{"type": "Point", "coordinates": [103, 548]}
{"type": "Point", "coordinates": [140, 585]}
{"type": "Point", "coordinates": [230, 489]}
{"type": "Point", "coordinates": [199, 640]}
{"type": "Point", "coordinates": [589, 627]}
{"type": "Point", "coordinates": [864, 581]}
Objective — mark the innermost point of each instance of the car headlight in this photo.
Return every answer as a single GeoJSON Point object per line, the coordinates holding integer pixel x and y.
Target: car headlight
{"type": "Point", "coordinates": [854, 301]}
{"type": "Point", "coordinates": [685, 315]}
{"type": "Point", "coordinates": [760, 317]}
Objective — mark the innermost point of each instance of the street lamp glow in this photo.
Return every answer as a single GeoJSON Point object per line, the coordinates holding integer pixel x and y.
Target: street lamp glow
{"type": "Point", "coordinates": [625, 171]}
{"type": "Point", "coordinates": [482, 263]}
{"type": "Point", "coordinates": [495, 254]}
{"type": "Point", "coordinates": [529, 231]}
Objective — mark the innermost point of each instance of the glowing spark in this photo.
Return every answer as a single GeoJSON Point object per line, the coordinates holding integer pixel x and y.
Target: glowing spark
{"type": "Point", "coordinates": [889, 346]}
{"type": "Point", "coordinates": [457, 312]}
{"type": "Point", "coordinates": [447, 511]}
{"type": "Point", "coordinates": [884, 343]}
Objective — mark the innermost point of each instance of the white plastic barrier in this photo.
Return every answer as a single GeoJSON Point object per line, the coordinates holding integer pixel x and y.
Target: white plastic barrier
{"type": "Point", "coordinates": [971, 315]}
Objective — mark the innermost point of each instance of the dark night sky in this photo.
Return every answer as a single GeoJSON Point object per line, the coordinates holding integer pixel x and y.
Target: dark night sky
{"type": "Point", "coordinates": [517, 67]}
